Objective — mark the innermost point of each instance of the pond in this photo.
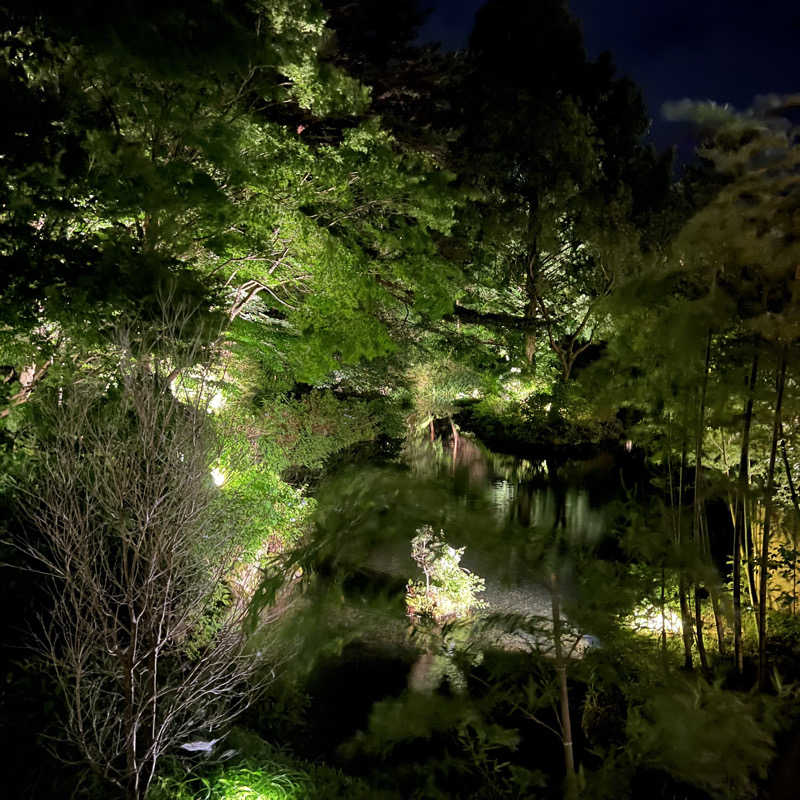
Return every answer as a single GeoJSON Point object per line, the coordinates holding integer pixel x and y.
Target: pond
{"type": "Point", "coordinates": [512, 516]}
{"type": "Point", "coordinates": [518, 521]}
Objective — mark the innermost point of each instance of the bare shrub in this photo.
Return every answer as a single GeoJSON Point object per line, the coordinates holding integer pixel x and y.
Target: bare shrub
{"type": "Point", "coordinates": [126, 524]}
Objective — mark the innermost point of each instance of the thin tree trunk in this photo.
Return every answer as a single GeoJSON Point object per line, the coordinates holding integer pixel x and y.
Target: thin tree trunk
{"type": "Point", "coordinates": [749, 549]}
{"type": "Point", "coordinates": [789, 478]}
{"type": "Point", "coordinates": [718, 623]}
{"type": "Point", "coordinates": [763, 678]}
{"type": "Point", "coordinates": [700, 537]}
{"type": "Point", "coordinates": [563, 688]}
{"type": "Point", "coordinates": [683, 583]}
{"type": "Point", "coordinates": [454, 429]}
{"type": "Point", "coordinates": [794, 566]}
{"type": "Point", "coordinates": [663, 619]}
{"type": "Point", "coordinates": [796, 504]}
{"type": "Point", "coordinates": [698, 617]}
{"type": "Point", "coordinates": [686, 621]}
{"type": "Point", "coordinates": [532, 269]}
{"type": "Point", "coordinates": [713, 590]}
{"type": "Point", "coordinates": [738, 533]}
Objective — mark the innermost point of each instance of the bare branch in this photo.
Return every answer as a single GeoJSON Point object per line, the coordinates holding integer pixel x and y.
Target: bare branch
{"type": "Point", "coordinates": [129, 529]}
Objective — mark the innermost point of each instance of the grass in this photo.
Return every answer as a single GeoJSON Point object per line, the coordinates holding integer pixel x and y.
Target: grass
{"type": "Point", "coordinates": [258, 771]}
{"type": "Point", "coordinates": [268, 781]}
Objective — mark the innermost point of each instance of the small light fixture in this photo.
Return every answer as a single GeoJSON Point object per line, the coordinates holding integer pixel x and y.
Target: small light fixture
{"type": "Point", "coordinates": [218, 475]}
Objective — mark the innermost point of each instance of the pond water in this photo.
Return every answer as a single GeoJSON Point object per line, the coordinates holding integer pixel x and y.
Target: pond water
{"type": "Point", "coordinates": [518, 523]}
{"type": "Point", "coordinates": [517, 520]}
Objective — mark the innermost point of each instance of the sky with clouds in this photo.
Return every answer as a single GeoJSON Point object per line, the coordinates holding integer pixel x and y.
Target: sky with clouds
{"type": "Point", "coordinates": [723, 50]}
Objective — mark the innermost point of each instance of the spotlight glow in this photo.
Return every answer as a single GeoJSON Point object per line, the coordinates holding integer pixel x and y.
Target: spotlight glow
{"type": "Point", "coordinates": [649, 618]}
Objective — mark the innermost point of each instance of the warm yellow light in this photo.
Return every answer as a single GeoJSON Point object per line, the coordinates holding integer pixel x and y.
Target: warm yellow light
{"type": "Point", "coordinates": [648, 617]}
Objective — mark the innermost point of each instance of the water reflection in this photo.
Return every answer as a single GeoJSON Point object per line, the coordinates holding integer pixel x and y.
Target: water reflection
{"type": "Point", "coordinates": [527, 530]}
{"type": "Point", "coordinates": [519, 492]}
{"type": "Point", "coordinates": [541, 521]}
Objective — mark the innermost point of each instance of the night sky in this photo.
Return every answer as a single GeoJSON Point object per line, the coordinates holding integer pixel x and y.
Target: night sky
{"type": "Point", "coordinates": [723, 50]}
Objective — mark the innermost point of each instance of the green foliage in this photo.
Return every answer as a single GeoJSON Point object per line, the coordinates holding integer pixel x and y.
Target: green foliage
{"type": "Point", "coordinates": [267, 507]}
{"type": "Point", "coordinates": [270, 781]}
{"type": "Point", "coordinates": [307, 431]}
{"type": "Point", "coordinates": [252, 769]}
{"type": "Point", "coordinates": [450, 590]}
{"type": "Point", "coordinates": [436, 385]}
{"type": "Point", "coordinates": [212, 180]}
{"type": "Point", "coordinates": [709, 737]}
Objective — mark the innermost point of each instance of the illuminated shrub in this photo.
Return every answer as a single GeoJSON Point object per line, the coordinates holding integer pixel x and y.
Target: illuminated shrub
{"type": "Point", "coordinates": [449, 591]}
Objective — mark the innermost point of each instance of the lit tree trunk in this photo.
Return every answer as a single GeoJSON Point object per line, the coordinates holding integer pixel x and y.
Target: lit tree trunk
{"type": "Point", "coordinates": [700, 537]}
{"type": "Point", "coordinates": [532, 268]}
{"type": "Point", "coordinates": [686, 621]}
{"type": "Point", "coordinates": [739, 526]}
{"type": "Point", "coordinates": [663, 619]}
{"type": "Point", "coordinates": [683, 583]}
{"type": "Point", "coordinates": [763, 678]}
{"type": "Point", "coordinates": [686, 617]}
{"type": "Point", "coordinates": [796, 505]}
{"type": "Point", "coordinates": [563, 689]}
{"type": "Point", "coordinates": [749, 546]}
{"type": "Point", "coordinates": [718, 623]}
{"type": "Point", "coordinates": [698, 616]}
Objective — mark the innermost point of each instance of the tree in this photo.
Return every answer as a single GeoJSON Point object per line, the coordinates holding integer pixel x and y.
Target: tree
{"type": "Point", "coordinates": [450, 590]}
{"type": "Point", "coordinates": [549, 148]}
{"type": "Point", "coordinates": [146, 644]}
{"type": "Point", "coordinates": [187, 147]}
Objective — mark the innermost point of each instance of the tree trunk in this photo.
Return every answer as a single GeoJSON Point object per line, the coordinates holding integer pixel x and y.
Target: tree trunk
{"type": "Point", "coordinates": [796, 504]}
{"type": "Point", "coordinates": [763, 677]}
{"type": "Point", "coordinates": [532, 268]}
{"type": "Point", "coordinates": [699, 533]}
{"type": "Point", "coordinates": [749, 548]}
{"type": "Point", "coordinates": [663, 619]}
{"type": "Point", "coordinates": [563, 688]}
{"type": "Point", "coordinates": [718, 623]}
{"type": "Point", "coordinates": [789, 478]}
{"type": "Point", "coordinates": [686, 621]}
{"type": "Point", "coordinates": [683, 583]}
{"type": "Point", "coordinates": [698, 617]}
{"type": "Point", "coordinates": [739, 527]}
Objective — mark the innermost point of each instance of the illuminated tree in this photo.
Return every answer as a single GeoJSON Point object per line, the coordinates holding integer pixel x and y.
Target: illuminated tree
{"type": "Point", "coordinates": [450, 590]}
